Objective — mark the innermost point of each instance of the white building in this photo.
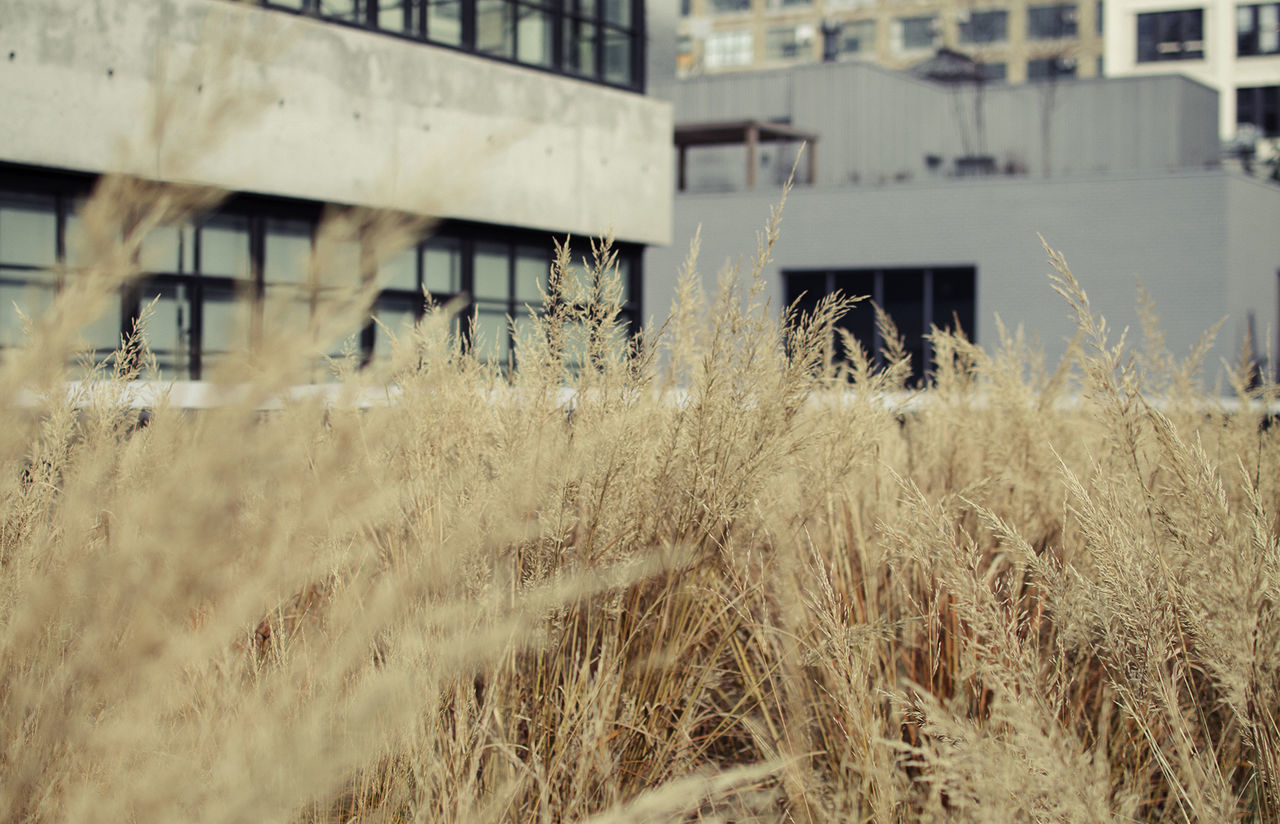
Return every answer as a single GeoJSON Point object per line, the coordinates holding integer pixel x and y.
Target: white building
{"type": "Point", "coordinates": [1233, 47]}
{"type": "Point", "coordinates": [510, 120]}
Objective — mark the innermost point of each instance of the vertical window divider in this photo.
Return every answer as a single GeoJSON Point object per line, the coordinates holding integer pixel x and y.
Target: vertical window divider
{"type": "Point", "coordinates": [468, 12]}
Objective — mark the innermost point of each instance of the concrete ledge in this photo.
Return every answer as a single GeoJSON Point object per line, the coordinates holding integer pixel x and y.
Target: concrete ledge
{"type": "Point", "coordinates": [248, 99]}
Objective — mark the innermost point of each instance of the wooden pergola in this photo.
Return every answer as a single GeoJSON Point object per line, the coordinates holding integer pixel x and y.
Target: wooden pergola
{"type": "Point", "coordinates": [748, 133]}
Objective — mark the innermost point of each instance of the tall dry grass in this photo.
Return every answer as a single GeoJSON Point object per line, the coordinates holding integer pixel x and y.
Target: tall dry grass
{"type": "Point", "coordinates": [723, 579]}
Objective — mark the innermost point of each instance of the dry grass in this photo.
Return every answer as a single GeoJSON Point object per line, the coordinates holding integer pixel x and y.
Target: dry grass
{"type": "Point", "coordinates": [736, 583]}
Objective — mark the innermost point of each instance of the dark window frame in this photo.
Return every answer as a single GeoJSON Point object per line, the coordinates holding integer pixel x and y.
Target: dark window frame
{"type": "Point", "coordinates": [1055, 21]}
{"type": "Point", "coordinates": [1248, 42]}
{"type": "Point", "coordinates": [985, 26]}
{"type": "Point", "coordinates": [877, 278]}
{"type": "Point", "coordinates": [258, 212]}
{"type": "Point", "coordinates": [1259, 105]}
{"type": "Point", "coordinates": [562, 13]}
{"type": "Point", "coordinates": [1170, 35]}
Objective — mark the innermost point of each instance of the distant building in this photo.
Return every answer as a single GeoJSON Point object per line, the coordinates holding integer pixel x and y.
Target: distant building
{"type": "Point", "coordinates": [906, 200]}
{"type": "Point", "coordinates": [1016, 40]}
{"type": "Point", "coordinates": [510, 120]}
{"type": "Point", "coordinates": [1233, 47]}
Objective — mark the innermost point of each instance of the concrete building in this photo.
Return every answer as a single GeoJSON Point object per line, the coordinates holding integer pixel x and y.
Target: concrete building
{"type": "Point", "coordinates": [509, 120]}
{"type": "Point", "coordinates": [1229, 46]}
{"type": "Point", "coordinates": [1015, 40]}
{"type": "Point", "coordinates": [1121, 175]}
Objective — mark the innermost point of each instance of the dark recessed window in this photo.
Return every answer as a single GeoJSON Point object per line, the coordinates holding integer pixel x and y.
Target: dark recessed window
{"type": "Point", "coordinates": [1258, 29]}
{"type": "Point", "coordinates": [1171, 35]}
{"type": "Point", "coordinates": [601, 40]}
{"type": "Point", "coordinates": [1260, 106]}
{"type": "Point", "coordinates": [858, 37]}
{"type": "Point", "coordinates": [995, 72]}
{"type": "Point", "coordinates": [985, 27]}
{"type": "Point", "coordinates": [1051, 68]}
{"type": "Point", "coordinates": [914, 33]}
{"type": "Point", "coordinates": [788, 43]}
{"type": "Point", "coordinates": [917, 299]}
{"type": "Point", "coordinates": [216, 285]}
{"type": "Point", "coordinates": [730, 6]}
{"type": "Point", "coordinates": [1051, 22]}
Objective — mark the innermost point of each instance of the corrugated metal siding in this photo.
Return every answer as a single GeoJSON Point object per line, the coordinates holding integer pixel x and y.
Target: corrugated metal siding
{"type": "Point", "coordinates": [1170, 231]}
{"type": "Point", "coordinates": [876, 126]}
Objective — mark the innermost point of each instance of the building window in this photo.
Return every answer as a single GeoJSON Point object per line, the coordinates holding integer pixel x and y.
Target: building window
{"type": "Point", "coordinates": [985, 27]}
{"type": "Point", "coordinates": [1051, 22]}
{"type": "Point", "coordinates": [914, 33]}
{"type": "Point", "coordinates": [995, 72]}
{"type": "Point", "coordinates": [729, 48]}
{"type": "Point", "coordinates": [789, 43]}
{"type": "Point", "coordinates": [917, 299]}
{"type": "Point", "coordinates": [1098, 19]}
{"type": "Point", "coordinates": [601, 40]}
{"type": "Point", "coordinates": [1258, 30]}
{"type": "Point", "coordinates": [730, 6]}
{"type": "Point", "coordinates": [1259, 105]}
{"type": "Point", "coordinates": [215, 285]}
{"type": "Point", "coordinates": [1171, 35]}
{"type": "Point", "coordinates": [858, 37]}
{"type": "Point", "coordinates": [1051, 68]}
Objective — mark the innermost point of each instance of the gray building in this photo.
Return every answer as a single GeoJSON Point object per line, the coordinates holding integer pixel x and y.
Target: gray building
{"type": "Point", "coordinates": [939, 219]}
{"type": "Point", "coordinates": [507, 121]}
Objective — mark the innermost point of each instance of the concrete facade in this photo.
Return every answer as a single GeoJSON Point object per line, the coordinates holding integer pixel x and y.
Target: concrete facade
{"type": "Point", "coordinates": [1201, 242]}
{"type": "Point", "coordinates": [271, 103]}
{"type": "Point", "coordinates": [1221, 68]}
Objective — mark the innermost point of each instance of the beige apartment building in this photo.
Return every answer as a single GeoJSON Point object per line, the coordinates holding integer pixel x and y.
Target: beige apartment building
{"type": "Point", "coordinates": [1013, 40]}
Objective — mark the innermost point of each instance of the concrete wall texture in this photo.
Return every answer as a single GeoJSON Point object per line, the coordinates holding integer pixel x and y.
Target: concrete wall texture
{"type": "Point", "coordinates": [1201, 242]}
{"type": "Point", "coordinates": [261, 101]}
{"type": "Point", "coordinates": [875, 125]}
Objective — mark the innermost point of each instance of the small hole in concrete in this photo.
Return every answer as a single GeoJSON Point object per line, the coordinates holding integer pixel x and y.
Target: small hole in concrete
{"type": "Point", "coordinates": [12, 55]}
{"type": "Point", "coordinates": [281, 104]}
{"type": "Point", "coordinates": [356, 115]}
{"type": "Point", "coordinates": [111, 72]}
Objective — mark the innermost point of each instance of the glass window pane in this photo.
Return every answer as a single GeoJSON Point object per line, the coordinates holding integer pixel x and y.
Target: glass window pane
{"type": "Point", "coordinates": [350, 10]}
{"type": "Point", "coordinates": [442, 266]}
{"type": "Point", "coordinates": [532, 265]}
{"type": "Point", "coordinates": [168, 329]}
{"type": "Point", "coordinates": [224, 247]}
{"type": "Point", "coordinates": [18, 292]}
{"type": "Point", "coordinates": [287, 251]}
{"type": "Point", "coordinates": [400, 271]}
{"type": "Point", "coordinates": [490, 339]}
{"type": "Point", "coordinates": [444, 21]}
{"type": "Point", "coordinates": [1269, 29]}
{"type": "Point", "coordinates": [226, 324]}
{"type": "Point", "coordinates": [491, 271]}
{"type": "Point", "coordinates": [343, 264]}
{"type": "Point", "coordinates": [534, 36]}
{"type": "Point", "coordinates": [103, 333]}
{"type": "Point", "coordinates": [617, 57]}
{"type": "Point", "coordinates": [162, 250]}
{"type": "Point", "coordinates": [617, 12]}
{"type": "Point", "coordinates": [398, 16]}
{"type": "Point", "coordinates": [28, 231]}
{"type": "Point", "coordinates": [580, 47]}
{"type": "Point", "coordinates": [397, 321]}
{"type": "Point", "coordinates": [495, 27]}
